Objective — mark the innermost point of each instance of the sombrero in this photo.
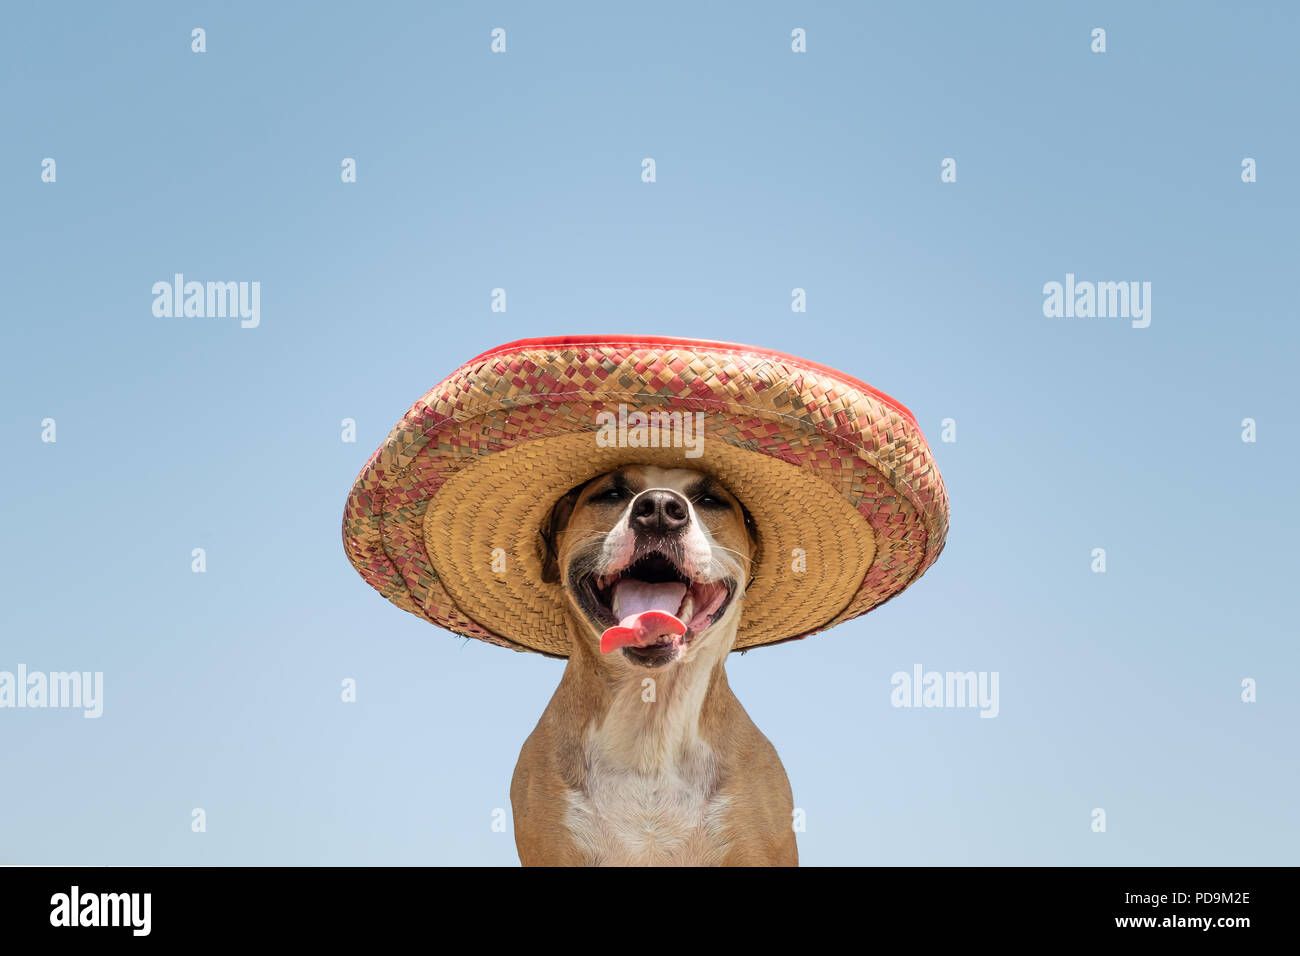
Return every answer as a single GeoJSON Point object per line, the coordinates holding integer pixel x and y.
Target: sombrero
{"type": "Point", "coordinates": [444, 520]}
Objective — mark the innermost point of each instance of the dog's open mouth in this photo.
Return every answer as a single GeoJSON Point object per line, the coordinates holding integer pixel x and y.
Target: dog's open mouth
{"type": "Point", "coordinates": [651, 608]}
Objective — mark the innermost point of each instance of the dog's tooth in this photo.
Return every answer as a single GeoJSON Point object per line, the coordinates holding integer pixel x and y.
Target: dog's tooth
{"type": "Point", "coordinates": [615, 606]}
{"type": "Point", "coordinates": [687, 610]}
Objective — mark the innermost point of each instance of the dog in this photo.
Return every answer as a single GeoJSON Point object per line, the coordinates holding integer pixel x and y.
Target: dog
{"type": "Point", "coordinates": [644, 756]}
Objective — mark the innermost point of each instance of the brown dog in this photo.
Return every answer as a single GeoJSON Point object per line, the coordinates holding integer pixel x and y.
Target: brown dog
{"type": "Point", "coordinates": [644, 755]}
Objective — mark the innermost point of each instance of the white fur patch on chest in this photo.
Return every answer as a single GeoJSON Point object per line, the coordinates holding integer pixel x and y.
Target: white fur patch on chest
{"type": "Point", "coordinates": [648, 818]}
{"type": "Point", "coordinates": [650, 795]}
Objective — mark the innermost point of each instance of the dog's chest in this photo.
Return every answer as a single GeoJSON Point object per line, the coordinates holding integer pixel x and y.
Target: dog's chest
{"type": "Point", "coordinates": [668, 816]}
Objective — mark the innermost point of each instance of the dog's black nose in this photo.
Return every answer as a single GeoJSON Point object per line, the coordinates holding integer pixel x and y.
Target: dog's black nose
{"type": "Point", "coordinates": [660, 512]}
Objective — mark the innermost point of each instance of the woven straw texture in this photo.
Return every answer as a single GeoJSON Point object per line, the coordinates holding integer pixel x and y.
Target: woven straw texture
{"type": "Point", "coordinates": [444, 518]}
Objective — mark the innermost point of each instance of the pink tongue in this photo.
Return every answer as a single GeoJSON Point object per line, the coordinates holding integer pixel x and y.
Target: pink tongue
{"type": "Point", "coordinates": [647, 614]}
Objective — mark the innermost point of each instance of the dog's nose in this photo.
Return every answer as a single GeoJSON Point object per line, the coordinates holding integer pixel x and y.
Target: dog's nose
{"type": "Point", "coordinates": [660, 512]}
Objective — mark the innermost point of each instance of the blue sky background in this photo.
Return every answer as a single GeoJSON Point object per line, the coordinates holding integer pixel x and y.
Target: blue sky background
{"type": "Point", "coordinates": [775, 170]}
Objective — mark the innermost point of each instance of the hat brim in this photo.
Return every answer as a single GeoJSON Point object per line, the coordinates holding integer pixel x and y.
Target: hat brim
{"type": "Point", "coordinates": [444, 520]}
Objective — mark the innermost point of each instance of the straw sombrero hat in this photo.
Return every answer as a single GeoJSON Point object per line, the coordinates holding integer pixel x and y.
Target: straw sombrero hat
{"type": "Point", "coordinates": [445, 518]}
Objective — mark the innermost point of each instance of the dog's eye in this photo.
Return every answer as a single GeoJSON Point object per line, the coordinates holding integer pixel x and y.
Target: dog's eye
{"type": "Point", "coordinates": [709, 501]}
{"type": "Point", "coordinates": [612, 494]}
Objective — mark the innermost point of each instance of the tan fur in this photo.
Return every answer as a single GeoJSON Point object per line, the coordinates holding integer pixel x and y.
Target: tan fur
{"type": "Point", "coordinates": [609, 778]}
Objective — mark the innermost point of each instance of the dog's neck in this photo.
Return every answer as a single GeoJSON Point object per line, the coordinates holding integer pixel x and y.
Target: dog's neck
{"type": "Point", "coordinates": [650, 720]}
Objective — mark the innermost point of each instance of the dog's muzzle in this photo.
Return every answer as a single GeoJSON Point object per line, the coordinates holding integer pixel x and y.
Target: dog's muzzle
{"type": "Point", "coordinates": [652, 606]}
